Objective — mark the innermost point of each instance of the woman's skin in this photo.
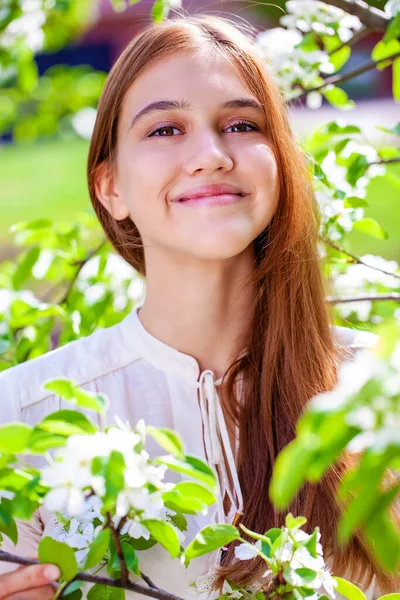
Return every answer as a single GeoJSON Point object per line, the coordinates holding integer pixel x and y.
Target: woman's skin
{"type": "Point", "coordinates": [29, 583]}
{"type": "Point", "coordinates": [196, 256]}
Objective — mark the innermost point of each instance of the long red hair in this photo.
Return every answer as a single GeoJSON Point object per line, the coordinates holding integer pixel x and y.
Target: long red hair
{"type": "Point", "coordinates": [291, 352]}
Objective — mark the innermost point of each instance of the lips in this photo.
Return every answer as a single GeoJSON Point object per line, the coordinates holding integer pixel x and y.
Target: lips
{"type": "Point", "coordinates": [209, 190]}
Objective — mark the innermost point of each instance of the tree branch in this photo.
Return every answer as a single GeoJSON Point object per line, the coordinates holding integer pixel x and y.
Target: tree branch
{"type": "Point", "coordinates": [359, 35]}
{"type": "Point", "coordinates": [357, 260]}
{"type": "Point", "coordinates": [385, 161]}
{"type": "Point", "coordinates": [152, 592]}
{"type": "Point", "coordinates": [377, 297]}
{"type": "Point", "coordinates": [373, 17]}
{"type": "Point", "coordinates": [148, 581]}
{"type": "Point", "coordinates": [120, 553]}
{"type": "Point", "coordinates": [335, 79]}
{"type": "Point", "coordinates": [81, 264]}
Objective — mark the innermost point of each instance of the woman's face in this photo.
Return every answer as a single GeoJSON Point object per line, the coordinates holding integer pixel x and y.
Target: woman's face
{"type": "Point", "coordinates": [164, 154]}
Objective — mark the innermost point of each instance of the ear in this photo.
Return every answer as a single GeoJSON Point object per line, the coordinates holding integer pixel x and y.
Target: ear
{"type": "Point", "coordinates": [107, 193]}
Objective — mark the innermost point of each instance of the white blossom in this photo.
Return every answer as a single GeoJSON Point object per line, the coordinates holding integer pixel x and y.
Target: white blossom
{"type": "Point", "coordinates": [301, 558]}
{"type": "Point", "coordinates": [246, 551]}
{"type": "Point", "coordinates": [392, 7]}
{"type": "Point", "coordinates": [311, 15]}
{"type": "Point", "coordinates": [137, 530]}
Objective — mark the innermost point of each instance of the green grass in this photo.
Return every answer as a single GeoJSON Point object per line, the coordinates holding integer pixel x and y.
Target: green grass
{"type": "Point", "coordinates": [48, 180]}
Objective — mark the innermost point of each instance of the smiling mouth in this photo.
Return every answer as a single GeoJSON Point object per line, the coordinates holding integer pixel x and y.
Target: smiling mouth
{"type": "Point", "coordinates": [241, 194]}
{"type": "Point", "coordinates": [213, 200]}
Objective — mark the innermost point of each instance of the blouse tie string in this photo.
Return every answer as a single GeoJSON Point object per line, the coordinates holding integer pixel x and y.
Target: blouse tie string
{"type": "Point", "coordinates": [216, 438]}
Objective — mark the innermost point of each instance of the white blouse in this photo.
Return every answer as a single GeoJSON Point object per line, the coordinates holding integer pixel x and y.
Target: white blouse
{"type": "Point", "coordinates": [144, 378]}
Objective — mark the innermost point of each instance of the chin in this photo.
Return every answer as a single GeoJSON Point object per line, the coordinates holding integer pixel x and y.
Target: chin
{"type": "Point", "coordinates": [217, 250]}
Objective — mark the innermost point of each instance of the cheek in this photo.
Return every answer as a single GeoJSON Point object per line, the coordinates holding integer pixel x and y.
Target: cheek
{"type": "Point", "coordinates": [263, 168]}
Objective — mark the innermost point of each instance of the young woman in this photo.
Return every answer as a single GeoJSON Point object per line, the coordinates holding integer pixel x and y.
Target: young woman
{"type": "Point", "coordinates": [199, 184]}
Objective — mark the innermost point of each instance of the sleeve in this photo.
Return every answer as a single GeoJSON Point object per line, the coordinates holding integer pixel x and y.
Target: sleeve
{"type": "Point", "coordinates": [29, 532]}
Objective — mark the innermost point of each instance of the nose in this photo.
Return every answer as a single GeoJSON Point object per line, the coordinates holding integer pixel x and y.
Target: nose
{"type": "Point", "coordinates": [208, 153]}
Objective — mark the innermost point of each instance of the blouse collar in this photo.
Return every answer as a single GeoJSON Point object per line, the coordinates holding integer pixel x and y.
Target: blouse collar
{"type": "Point", "coordinates": [156, 352]}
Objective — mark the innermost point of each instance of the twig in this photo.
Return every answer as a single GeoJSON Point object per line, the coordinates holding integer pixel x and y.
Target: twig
{"type": "Point", "coordinates": [81, 264]}
{"type": "Point", "coordinates": [120, 553]}
{"type": "Point", "coordinates": [359, 35]}
{"type": "Point", "coordinates": [377, 297]}
{"type": "Point", "coordinates": [121, 524]}
{"type": "Point", "coordinates": [152, 592]}
{"type": "Point", "coordinates": [148, 581]}
{"type": "Point", "coordinates": [64, 589]}
{"type": "Point", "coordinates": [373, 17]}
{"type": "Point", "coordinates": [356, 259]}
{"type": "Point", "coordinates": [335, 79]}
{"type": "Point", "coordinates": [385, 161]}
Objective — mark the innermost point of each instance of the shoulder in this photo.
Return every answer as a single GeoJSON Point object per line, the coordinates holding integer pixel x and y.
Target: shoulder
{"type": "Point", "coordinates": [349, 341]}
{"type": "Point", "coordinates": [84, 360]}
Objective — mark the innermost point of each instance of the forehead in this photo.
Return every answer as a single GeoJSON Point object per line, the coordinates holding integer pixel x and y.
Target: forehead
{"type": "Point", "coordinates": [202, 77]}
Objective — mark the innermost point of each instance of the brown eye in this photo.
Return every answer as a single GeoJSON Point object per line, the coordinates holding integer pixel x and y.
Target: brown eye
{"type": "Point", "coordinates": [244, 124]}
{"type": "Point", "coordinates": [162, 129]}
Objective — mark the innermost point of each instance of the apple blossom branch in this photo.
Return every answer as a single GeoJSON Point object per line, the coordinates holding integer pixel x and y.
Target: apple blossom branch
{"type": "Point", "coordinates": [357, 260]}
{"type": "Point", "coordinates": [359, 35]}
{"type": "Point", "coordinates": [151, 591]}
{"type": "Point", "coordinates": [372, 298]}
{"type": "Point", "coordinates": [80, 264]}
{"type": "Point", "coordinates": [335, 79]}
{"type": "Point", "coordinates": [373, 17]}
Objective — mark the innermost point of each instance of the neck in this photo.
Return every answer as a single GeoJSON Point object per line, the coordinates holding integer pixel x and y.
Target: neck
{"type": "Point", "coordinates": [201, 308]}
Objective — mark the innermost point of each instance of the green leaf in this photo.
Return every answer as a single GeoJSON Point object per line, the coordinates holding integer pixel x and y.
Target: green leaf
{"type": "Point", "coordinates": [60, 554]}
{"type": "Point", "coordinates": [193, 467]}
{"type": "Point", "coordinates": [271, 536]}
{"type": "Point", "coordinates": [385, 49]}
{"type": "Point", "coordinates": [105, 592]}
{"type": "Point", "coordinates": [131, 559]}
{"type": "Point", "coordinates": [165, 534]}
{"type": "Point", "coordinates": [294, 522]}
{"type": "Point", "coordinates": [355, 202]}
{"type": "Point", "coordinates": [396, 79]}
{"type": "Point", "coordinates": [168, 439]}
{"type": "Point", "coordinates": [7, 523]}
{"type": "Point", "coordinates": [383, 537]}
{"type": "Point", "coordinates": [112, 468]}
{"type": "Point", "coordinates": [210, 538]}
{"type": "Point", "coordinates": [370, 227]}
{"type": "Point", "coordinates": [14, 437]}
{"type": "Point", "coordinates": [24, 268]}
{"type": "Point", "coordinates": [290, 470]}
{"type": "Point", "coordinates": [72, 392]}
{"type": "Point", "coordinates": [98, 549]}
{"type": "Point", "coordinates": [339, 57]}
{"type": "Point", "coordinates": [348, 590]}
{"type": "Point", "coordinates": [311, 543]}
{"type": "Point", "coordinates": [393, 31]}
{"type": "Point", "coordinates": [157, 11]}
{"type": "Point", "coordinates": [31, 225]}
{"type": "Point", "coordinates": [67, 422]}
{"type": "Point", "coordinates": [333, 127]}
{"type": "Point", "coordinates": [41, 441]}
{"type": "Point", "coordinates": [188, 496]}
{"type": "Point", "coordinates": [338, 98]}
{"type": "Point", "coordinates": [306, 575]}
{"type": "Point", "coordinates": [75, 595]}
{"type": "Point", "coordinates": [142, 543]}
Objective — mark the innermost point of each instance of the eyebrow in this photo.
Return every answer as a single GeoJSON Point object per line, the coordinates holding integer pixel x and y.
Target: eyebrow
{"type": "Point", "coordinates": [184, 105]}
